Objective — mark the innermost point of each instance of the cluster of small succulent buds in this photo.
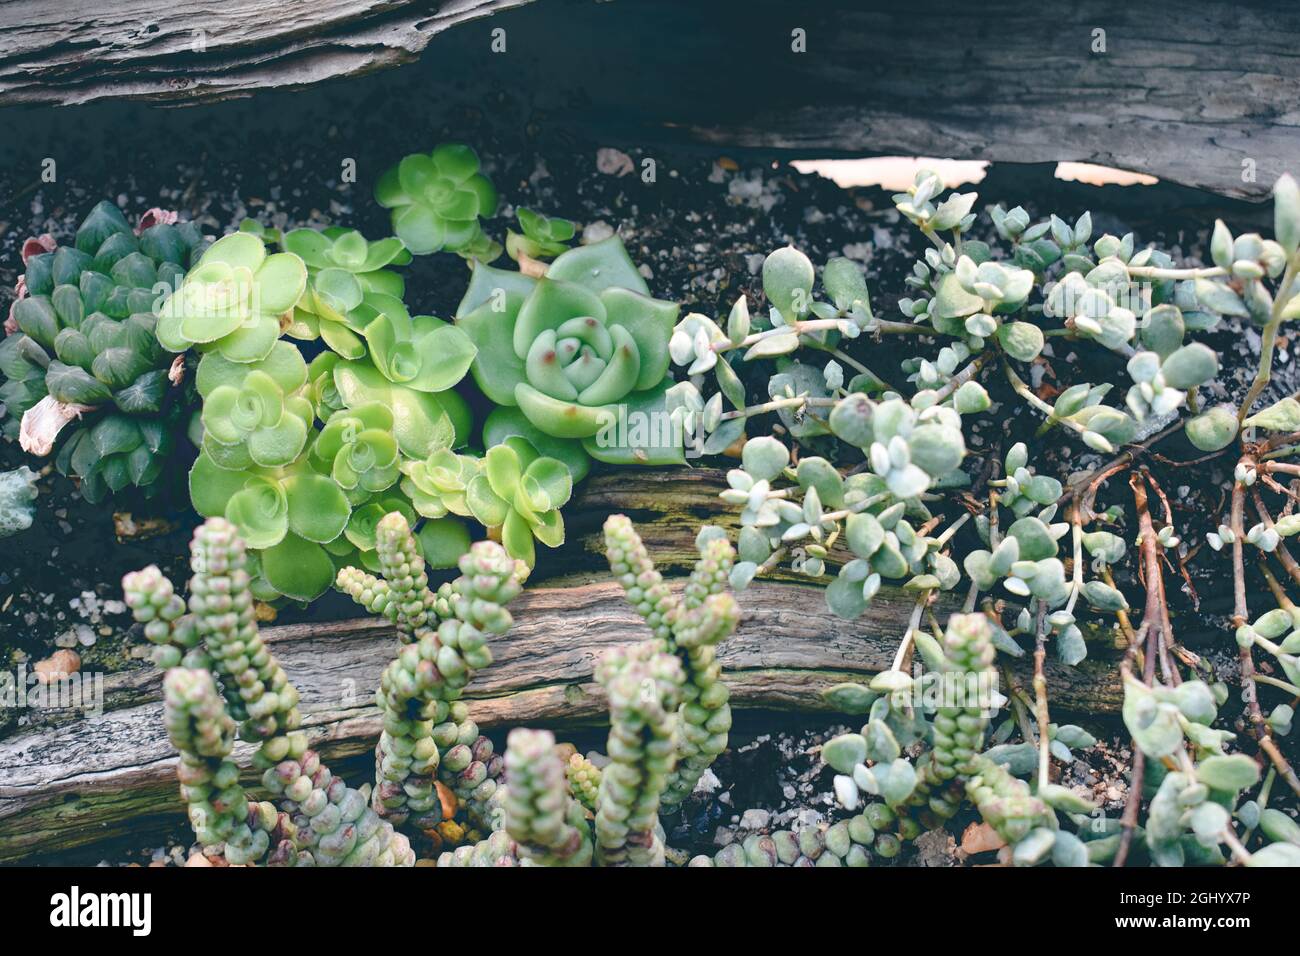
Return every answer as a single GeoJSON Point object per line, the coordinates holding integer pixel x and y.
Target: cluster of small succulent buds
{"type": "Point", "coordinates": [547, 824]}
{"type": "Point", "coordinates": [230, 675]}
{"type": "Point", "coordinates": [155, 604]}
{"type": "Point", "coordinates": [334, 823]}
{"type": "Point", "coordinates": [643, 685]}
{"type": "Point", "coordinates": [471, 768]}
{"type": "Point", "coordinates": [257, 690]}
{"type": "Point", "coordinates": [427, 732]}
{"type": "Point", "coordinates": [850, 842]}
{"type": "Point", "coordinates": [223, 818]}
{"type": "Point", "coordinates": [584, 780]}
{"type": "Point", "coordinates": [1006, 804]}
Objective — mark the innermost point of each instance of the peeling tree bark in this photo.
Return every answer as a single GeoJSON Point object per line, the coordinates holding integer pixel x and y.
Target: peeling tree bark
{"type": "Point", "coordinates": [76, 52]}
{"type": "Point", "coordinates": [1209, 98]}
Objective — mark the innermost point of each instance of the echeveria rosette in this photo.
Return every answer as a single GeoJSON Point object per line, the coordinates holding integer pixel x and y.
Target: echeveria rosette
{"type": "Point", "coordinates": [234, 300]}
{"type": "Point", "coordinates": [438, 485]}
{"type": "Point", "coordinates": [437, 200]}
{"type": "Point", "coordinates": [85, 338]}
{"type": "Point", "coordinates": [577, 351]}
{"type": "Point", "coordinates": [344, 272]}
{"type": "Point", "coordinates": [521, 495]}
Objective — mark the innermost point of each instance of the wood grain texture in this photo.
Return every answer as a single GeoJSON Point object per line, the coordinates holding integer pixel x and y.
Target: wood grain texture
{"type": "Point", "coordinates": [1189, 98]}
{"type": "Point", "coordinates": [75, 52]}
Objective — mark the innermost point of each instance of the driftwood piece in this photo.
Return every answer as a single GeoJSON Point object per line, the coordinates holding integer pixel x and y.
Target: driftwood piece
{"type": "Point", "coordinates": [77, 52]}
{"type": "Point", "coordinates": [94, 779]}
{"type": "Point", "coordinates": [1209, 98]}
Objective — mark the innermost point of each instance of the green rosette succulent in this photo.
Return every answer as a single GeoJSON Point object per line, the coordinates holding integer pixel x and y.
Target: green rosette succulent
{"type": "Point", "coordinates": [253, 413]}
{"type": "Point", "coordinates": [357, 449]}
{"type": "Point", "coordinates": [235, 301]}
{"type": "Point", "coordinates": [542, 237]}
{"type": "Point", "coordinates": [437, 200]}
{"type": "Point", "coordinates": [583, 351]}
{"type": "Point", "coordinates": [344, 273]}
{"type": "Point", "coordinates": [85, 337]}
{"type": "Point", "coordinates": [520, 494]}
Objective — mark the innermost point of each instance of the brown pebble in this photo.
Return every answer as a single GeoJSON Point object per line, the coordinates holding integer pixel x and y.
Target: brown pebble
{"type": "Point", "coordinates": [198, 859]}
{"type": "Point", "coordinates": [980, 838]}
{"type": "Point", "coordinates": [264, 612]}
{"type": "Point", "coordinates": [447, 798]}
{"type": "Point", "coordinates": [60, 664]}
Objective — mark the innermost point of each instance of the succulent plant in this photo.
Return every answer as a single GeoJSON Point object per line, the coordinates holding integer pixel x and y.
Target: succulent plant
{"type": "Point", "coordinates": [437, 200]}
{"type": "Point", "coordinates": [643, 686]}
{"type": "Point", "coordinates": [236, 300]}
{"type": "Point", "coordinates": [690, 627]}
{"type": "Point", "coordinates": [444, 637]}
{"type": "Point", "coordinates": [520, 494]}
{"type": "Point", "coordinates": [17, 500]}
{"type": "Point", "coordinates": [320, 821]}
{"type": "Point", "coordinates": [547, 825]}
{"type": "Point", "coordinates": [346, 278]}
{"type": "Point", "coordinates": [306, 460]}
{"type": "Point", "coordinates": [83, 351]}
{"type": "Point", "coordinates": [582, 351]}
{"type": "Point", "coordinates": [541, 237]}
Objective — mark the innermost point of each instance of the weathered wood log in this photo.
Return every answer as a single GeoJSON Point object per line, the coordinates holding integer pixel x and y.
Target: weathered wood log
{"type": "Point", "coordinates": [77, 52]}
{"type": "Point", "coordinates": [94, 779]}
{"type": "Point", "coordinates": [1209, 98]}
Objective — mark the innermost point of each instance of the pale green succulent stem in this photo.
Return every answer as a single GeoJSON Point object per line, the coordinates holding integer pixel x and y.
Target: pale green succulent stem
{"type": "Point", "coordinates": [952, 529]}
{"type": "Point", "coordinates": [1155, 272]}
{"type": "Point", "coordinates": [962, 377]}
{"type": "Point", "coordinates": [1022, 389]}
{"type": "Point", "coordinates": [1275, 682]}
{"type": "Point", "coordinates": [1268, 343]}
{"type": "Point", "coordinates": [1040, 694]}
{"type": "Point", "coordinates": [1076, 529]}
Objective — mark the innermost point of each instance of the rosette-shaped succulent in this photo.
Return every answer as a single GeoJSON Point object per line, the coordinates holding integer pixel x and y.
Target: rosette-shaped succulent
{"type": "Point", "coordinates": [344, 273]}
{"type": "Point", "coordinates": [583, 351]}
{"type": "Point", "coordinates": [235, 301]}
{"type": "Point", "coordinates": [437, 200]}
{"type": "Point", "coordinates": [84, 351]}
{"type": "Point", "coordinates": [521, 494]}
{"type": "Point", "coordinates": [543, 237]}
{"type": "Point", "coordinates": [252, 414]}
{"type": "Point", "coordinates": [357, 449]}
